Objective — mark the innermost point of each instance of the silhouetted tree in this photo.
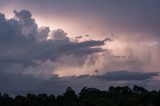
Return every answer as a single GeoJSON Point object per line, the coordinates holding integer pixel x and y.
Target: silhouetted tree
{"type": "Point", "coordinates": [115, 96]}
{"type": "Point", "coordinates": [139, 90]}
{"type": "Point", "coordinates": [6, 100]}
{"type": "Point", "coordinates": [60, 100]}
{"type": "Point", "coordinates": [19, 101]}
{"type": "Point", "coordinates": [70, 98]}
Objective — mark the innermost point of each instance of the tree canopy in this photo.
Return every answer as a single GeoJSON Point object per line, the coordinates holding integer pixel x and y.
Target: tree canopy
{"type": "Point", "coordinates": [114, 96]}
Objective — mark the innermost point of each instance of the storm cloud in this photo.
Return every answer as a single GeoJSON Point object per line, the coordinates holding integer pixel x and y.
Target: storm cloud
{"type": "Point", "coordinates": [76, 48]}
{"type": "Point", "coordinates": [29, 53]}
{"type": "Point", "coordinates": [23, 42]}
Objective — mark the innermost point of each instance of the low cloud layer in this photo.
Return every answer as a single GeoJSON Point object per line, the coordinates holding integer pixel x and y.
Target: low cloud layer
{"type": "Point", "coordinates": [127, 76]}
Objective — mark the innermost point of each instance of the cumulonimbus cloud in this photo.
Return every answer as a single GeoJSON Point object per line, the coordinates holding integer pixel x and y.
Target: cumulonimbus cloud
{"type": "Point", "coordinates": [23, 42]}
{"type": "Point", "coordinates": [30, 53]}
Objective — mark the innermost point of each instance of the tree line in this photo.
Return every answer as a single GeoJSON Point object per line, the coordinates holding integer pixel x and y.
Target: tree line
{"type": "Point", "coordinates": [114, 96]}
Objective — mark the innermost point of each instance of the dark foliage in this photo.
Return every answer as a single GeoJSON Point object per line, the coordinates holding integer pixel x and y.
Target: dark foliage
{"type": "Point", "coordinates": [115, 96]}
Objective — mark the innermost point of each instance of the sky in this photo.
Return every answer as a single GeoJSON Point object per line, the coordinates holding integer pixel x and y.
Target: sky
{"type": "Point", "coordinates": [48, 45]}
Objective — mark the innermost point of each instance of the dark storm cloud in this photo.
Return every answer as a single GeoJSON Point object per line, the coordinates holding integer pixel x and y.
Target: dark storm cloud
{"type": "Point", "coordinates": [127, 76]}
{"type": "Point", "coordinates": [21, 41]}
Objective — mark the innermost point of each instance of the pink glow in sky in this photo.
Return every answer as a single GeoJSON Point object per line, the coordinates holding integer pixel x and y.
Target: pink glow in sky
{"type": "Point", "coordinates": [56, 41]}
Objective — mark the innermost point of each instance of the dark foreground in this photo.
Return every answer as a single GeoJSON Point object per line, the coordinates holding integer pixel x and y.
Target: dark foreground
{"type": "Point", "coordinates": [115, 96]}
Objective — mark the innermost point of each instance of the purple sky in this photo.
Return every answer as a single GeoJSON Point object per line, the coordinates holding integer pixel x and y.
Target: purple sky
{"type": "Point", "coordinates": [47, 45]}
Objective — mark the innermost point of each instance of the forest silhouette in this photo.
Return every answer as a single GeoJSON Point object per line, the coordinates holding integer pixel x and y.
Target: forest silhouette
{"type": "Point", "coordinates": [114, 96]}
